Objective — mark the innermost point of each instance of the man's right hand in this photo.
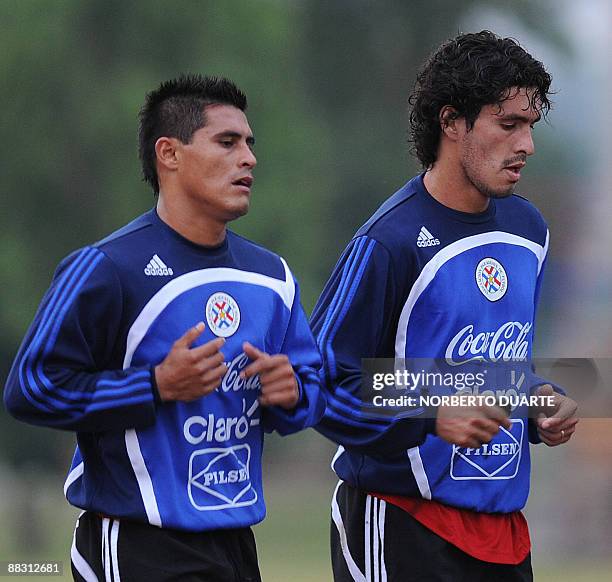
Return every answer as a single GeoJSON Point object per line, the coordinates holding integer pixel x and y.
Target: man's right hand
{"type": "Point", "coordinates": [189, 373]}
{"type": "Point", "coordinates": [470, 426]}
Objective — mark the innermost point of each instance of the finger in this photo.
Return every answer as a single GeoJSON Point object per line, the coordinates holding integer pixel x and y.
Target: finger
{"type": "Point", "coordinates": [251, 351]}
{"type": "Point", "coordinates": [497, 414]}
{"type": "Point", "coordinates": [469, 442]}
{"type": "Point", "coordinates": [214, 375]}
{"type": "Point", "coordinates": [194, 365]}
{"type": "Point", "coordinates": [202, 365]}
{"type": "Point", "coordinates": [484, 435]}
{"type": "Point", "coordinates": [552, 441]}
{"type": "Point", "coordinates": [556, 422]}
{"type": "Point", "coordinates": [192, 334]}
{"type": "Point", "coordinates": [567, 407]}
{"type": "Point", "coordinates": [545, 390]}
{"type": "Point", "coordinates": [566, 430]}
{"type": "Point", "coordinates": [487, 425]}
{"type": "Point", "coordinates": [208, 349]}
{"type": "Point", "coordinates": [279, 386]}
{"type": "Point", "coordinates": [279, 372]}
{"type": "Point", "coordinates": [266, 364]}
{"type": "Point", "coordinates": [258, 366]}
{"type": "Point", "coordinates": [279, 398]}
{"type": "Point", "coordinates": [557, 434]}
{"type": "Point", "coordinates": [567, 424]}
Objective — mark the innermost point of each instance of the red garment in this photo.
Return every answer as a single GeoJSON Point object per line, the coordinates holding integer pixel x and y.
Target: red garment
{"type": "Point", "coordinates": [501, 538]}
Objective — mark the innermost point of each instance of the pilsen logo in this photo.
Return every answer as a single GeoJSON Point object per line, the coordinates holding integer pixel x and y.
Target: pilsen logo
{"type": "Point", "coordinates": [508, 343]}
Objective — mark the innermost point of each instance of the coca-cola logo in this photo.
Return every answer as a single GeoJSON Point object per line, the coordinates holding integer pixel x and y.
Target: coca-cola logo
{"type": "Point", "coordinates": [232, 380]}
{"type": "Point", "coordinates": [508, 343]}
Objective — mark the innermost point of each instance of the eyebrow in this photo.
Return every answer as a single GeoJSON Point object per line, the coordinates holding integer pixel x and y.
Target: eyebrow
{"type": "Point", "coordinates": [235, 135]}
{"type": "Point", "coordinates": [517, 117]}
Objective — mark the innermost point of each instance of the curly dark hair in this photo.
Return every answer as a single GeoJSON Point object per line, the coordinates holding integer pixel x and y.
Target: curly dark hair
{"type": "Point", "coordinates": [468, 72]}
{"type": "Point", "coordinates": [177, 109]}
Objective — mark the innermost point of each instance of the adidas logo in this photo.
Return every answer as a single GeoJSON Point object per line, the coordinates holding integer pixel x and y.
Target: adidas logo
{"type": "Point", "coordinates": [157, 267]}
{"type": "Point", "coordinates": [426, 239]}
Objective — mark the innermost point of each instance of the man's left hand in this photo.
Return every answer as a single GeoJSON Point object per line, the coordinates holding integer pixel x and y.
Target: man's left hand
{"type": "Point", "coordinates": [556, 424]}
{"type": "Point", "coordinates": [279, 386]}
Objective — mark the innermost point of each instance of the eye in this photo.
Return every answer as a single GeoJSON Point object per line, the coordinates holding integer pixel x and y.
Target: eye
{"type": "Point", "coordinates": [508, 126]}
{"type": "Point", "coordinates": [226, 143]}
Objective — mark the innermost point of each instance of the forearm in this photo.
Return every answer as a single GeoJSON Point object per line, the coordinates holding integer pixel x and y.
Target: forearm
{"type": "Point", "coordinates": [80, 401]}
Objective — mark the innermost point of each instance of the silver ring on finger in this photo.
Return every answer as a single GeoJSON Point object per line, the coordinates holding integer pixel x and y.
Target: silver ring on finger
{"type": "Point", "coordinates": [562, 434]}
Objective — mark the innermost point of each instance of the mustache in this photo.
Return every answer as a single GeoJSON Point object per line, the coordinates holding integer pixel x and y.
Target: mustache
{"type": "Point", "coordinates": [516, 159]}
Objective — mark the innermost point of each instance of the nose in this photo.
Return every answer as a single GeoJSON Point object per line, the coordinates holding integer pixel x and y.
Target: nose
{"type": "Point", "coordinates": [525, 144]}
{"type": "Point", "coordinates": [248, 158]}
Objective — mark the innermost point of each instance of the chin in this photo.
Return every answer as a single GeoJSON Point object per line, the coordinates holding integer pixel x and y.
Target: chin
{"type": "Point", "coordinates": [502, 193]}
{"type": "Point", "coordinates": [238, 211]}
{"type": "Point", "coordinates": [499, 192]}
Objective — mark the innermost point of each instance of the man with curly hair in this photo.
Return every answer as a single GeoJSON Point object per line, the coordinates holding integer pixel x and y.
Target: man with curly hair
{"type": "Point", "coordinates": [449, 268]}
{"type": "Point", "coordinates": [169, 348]}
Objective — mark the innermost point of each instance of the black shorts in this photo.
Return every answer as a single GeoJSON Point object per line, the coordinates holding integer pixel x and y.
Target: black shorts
{"type": "Point", "coordinates": [113, 550]}
{"type": "Point", "coordinates": [374, 541]}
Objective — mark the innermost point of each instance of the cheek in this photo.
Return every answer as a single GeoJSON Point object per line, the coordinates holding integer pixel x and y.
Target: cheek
{"type": "Point", "coordinates": [473, 155]}
{"type": "Point", "coordinates": [215, 170]}
{"type": "Point", "coordinates": [480, 154]}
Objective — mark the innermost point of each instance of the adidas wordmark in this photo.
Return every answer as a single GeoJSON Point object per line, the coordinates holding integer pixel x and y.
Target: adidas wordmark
{"type": "Point", "coordinates": [157, 267]}
{"type": "Point", "coordinates": [426, 239]}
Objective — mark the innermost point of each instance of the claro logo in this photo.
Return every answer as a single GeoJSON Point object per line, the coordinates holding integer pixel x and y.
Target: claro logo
{"type": "Point", "coordinates": [219, 429]}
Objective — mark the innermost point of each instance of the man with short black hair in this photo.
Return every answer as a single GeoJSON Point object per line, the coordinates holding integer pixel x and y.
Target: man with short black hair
{"type": "Point", "coordinates": [169, 348]}
{"type": "Point", "coordinates": [449, 268]}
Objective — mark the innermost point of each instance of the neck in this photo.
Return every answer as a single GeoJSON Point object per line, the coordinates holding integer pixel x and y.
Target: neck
{"type": "Point", "coordinates": [449, 185]}
{"type": "Point", "coordinates": [194, 226]}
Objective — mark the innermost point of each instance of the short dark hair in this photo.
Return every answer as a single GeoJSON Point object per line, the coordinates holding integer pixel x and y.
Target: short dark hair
{"type": "Point", "coordinates": [468, 72]}
{"type": "Point", "coordinates": [177, 109]}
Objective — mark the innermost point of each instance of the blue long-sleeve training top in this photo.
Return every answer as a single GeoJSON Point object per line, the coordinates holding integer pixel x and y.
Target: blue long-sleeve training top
{"type": "Point", "coordinates": [420, 280]}
{"type": "Point", "coordinates": [112, 313]}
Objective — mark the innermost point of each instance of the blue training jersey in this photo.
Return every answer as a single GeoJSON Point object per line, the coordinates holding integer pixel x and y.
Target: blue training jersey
{"type": "Point", "coordinates": [421, 280]}
{"type": "Point", "coordinates": [112, 313]}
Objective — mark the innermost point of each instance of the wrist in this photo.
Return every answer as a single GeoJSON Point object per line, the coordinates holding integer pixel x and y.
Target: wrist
{"type": "Point", "coordinates": [154, 386]}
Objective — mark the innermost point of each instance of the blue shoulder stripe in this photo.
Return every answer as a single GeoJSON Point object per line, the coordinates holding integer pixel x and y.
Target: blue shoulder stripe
{"type": "Point", "coordinates": [38, 386]}
{"type": "Point", "coordinates": [351, 278]}
{"type": "Point", "coordinates": [31, 360]}
{"type": "Point", "coordinates": [348, 300]}
{"type": "Point", "coordinates": [347, 273]}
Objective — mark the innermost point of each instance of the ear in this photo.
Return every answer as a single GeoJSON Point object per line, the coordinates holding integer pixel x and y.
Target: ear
{"type": "Point", "coordinates": [166, 152]}
{"type": "Point", "coordinates": [449, 122]}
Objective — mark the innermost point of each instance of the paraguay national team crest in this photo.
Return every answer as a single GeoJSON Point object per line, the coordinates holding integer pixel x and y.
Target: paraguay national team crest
{"type": "Point", "coordinates": [491, 279]}
{"type": "Point", "coordinates": [222, 314]}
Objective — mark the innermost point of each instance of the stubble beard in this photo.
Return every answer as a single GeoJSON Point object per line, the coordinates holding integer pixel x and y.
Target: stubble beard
{"type": "Point", "coordinates": [471, 163]}
{"type": "Point", "coordinates": [486, 190]}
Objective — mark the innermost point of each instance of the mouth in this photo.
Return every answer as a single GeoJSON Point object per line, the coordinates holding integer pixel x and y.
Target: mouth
{"type": "Point", "coordinates": [514, 171]}
{"type": "Point", "coordinates": [244, 183]}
